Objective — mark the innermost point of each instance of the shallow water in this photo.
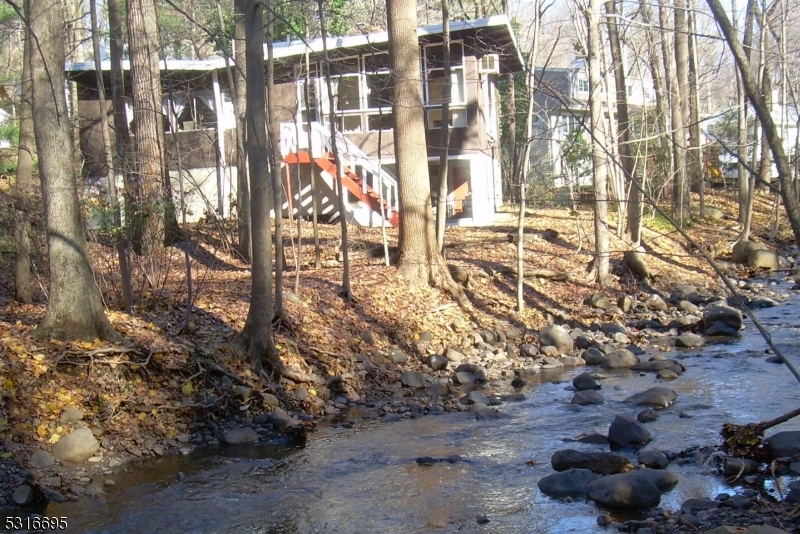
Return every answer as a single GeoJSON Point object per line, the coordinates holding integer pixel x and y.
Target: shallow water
{"type": "Point", "coordinates": [366, 480]}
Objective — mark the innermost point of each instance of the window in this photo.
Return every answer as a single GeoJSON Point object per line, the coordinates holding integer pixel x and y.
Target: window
{"type": "Point", "coordinates": [630, 90]}
{"type": "Point", "coordinates": [362, 93]}
{"type": "Point", "coordinates": [583, 85]}
{"type": "Point", "coordinates": [433, 57]}
{"type": "Point", "coordinates": [458, 118]}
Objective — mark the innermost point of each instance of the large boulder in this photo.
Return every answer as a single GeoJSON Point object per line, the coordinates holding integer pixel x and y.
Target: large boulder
{"type": "Point", "coordinates": [633, 262]}
{"type": "Point", "coordinates": [664, 479]}
{"type": "Point", "coordinates": [722, 315]}
{"type": "Point", "coordinates": [620, 359]}
{"type": "Point", "coordinates": [570, 483]}
{"type": "Point", "coordinates": [764, 259]}
{"type": "Point", "coordinates": [653, 366]}
{"type": "Point", "coordinates": [625, 431]}
{"type": "Point", "coordinates": [655, 397]}
{"type": "Point", "coordinates": [601, 463]}
{"type": "Point", "coordinates": [77, 446]}
{"type": "Point", "coordinates": [625, 491]}
{"type": "Point", "coordinates": [689, 341]}
{"type": "Point", "coordinates": [558, 337]}
{"type": "Point", "coordinates": [784, 444]}
{"type": "Point", "coordinates": [743, 250]}
{"type": "Point", "coordinates": [653, 459]}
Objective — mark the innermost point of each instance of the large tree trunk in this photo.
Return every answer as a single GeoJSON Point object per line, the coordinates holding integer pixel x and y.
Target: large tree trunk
{"type": "Point", "coordinates": [23, 291]}
{"type": "Point", "coordinates": [441, 208]}
{"type": "Point", "coordinates": [599, 158]}
{"type": "Point", "coordinates": [743, 177]}
{"type": "Point", "coordinates": [75, 308]}
{"type": "Point", "coordinates": [623, 134]}
{"type": "Point", "coordinates": [257, 333]}
{"type": "Point", "coordinates": [275, 162]}
{"type": "Point", "coordinates": [788, 188]}
{"type": "Point", "coordinates": [120, 242]}
{"type": "Point", "coordinates": [698, 169]}
{"type": "Point", "coordinates": [154, 221]}
{"type": "Point", "coordinates": [680, 115]}
{"type": "Point", "coordinates": [240, 98]}
{"type": "Point", "coordinates": [420, 261]}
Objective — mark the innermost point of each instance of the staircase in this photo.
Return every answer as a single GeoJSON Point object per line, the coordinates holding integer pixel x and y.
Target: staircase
{"type": "Point", "coordinates": [364, 178]}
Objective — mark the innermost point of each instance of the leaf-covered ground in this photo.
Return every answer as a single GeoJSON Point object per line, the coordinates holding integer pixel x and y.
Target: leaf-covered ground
{"type": "Point", "coordinates": [166, 375]}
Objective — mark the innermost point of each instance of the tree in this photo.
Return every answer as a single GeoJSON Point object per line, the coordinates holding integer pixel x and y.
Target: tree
{"type": "Point", "coordinates": [680, 114]}
{"type": "Point", "coordinates": [420, 262]}
{"type": "Point", "coordinates": [441, 208]}
{"type": "Point", "coordinates": [240, 102]}
{"type": "Point", "coordinates": [599, 157]}
{"type": "Point", "coordinates": [257, 333]}
{"type": "Point", "coordinates": [74, 308]}
{"type": "Point", "coordinates": [154, 218]}
{"type": "Point", "coordinates": [787, 185]}
{"type": "Point", "coordinates": [23, 291]}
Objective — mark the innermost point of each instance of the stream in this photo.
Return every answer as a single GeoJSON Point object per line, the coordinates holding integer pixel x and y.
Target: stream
{"type": "Point", "coordinates": [365, 479]}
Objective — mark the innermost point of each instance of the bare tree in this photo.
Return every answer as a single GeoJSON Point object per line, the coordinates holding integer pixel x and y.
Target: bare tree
{"type": "Point", "coordinates": [680, 114]}
{"type": "Point", "coordinates": [421, 262]}
{"type": "Point", "coordinates": [240, 100]}
{"type": "Point", "coordinates": [257, 333]}
{"type": "Point", "coordinates": [441, 208]}
{"type": "Point", "coordinates": [75, 307]}
{"type": "Point", "coordinates": [23, 290]}
{"type": "Point", "coordinates": [694, 110]}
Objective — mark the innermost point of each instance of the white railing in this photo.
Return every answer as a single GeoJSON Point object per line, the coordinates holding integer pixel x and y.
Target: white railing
{"type": "Point", "coordinates": [372, 174]}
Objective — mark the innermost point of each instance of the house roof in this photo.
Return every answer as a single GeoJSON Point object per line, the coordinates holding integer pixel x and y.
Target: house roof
{"type": "Point", "coordinates": [494, 35]}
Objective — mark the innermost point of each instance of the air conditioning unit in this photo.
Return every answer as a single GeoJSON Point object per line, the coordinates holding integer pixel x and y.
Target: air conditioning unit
{"type": "Point", "coordinates": [490, 64]}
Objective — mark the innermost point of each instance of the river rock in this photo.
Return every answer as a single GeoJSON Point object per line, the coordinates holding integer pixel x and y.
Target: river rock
{"type": "Point", "coordinates": [601, 463]}
{"type": "Point", "coordinates": [454, 356]}
{"type": "Point", "coordinates": [753, 529]}
{"type": "Point", "coordinates": [24, 495]}
{"type": "Point", "coordinates": [625, 303]}
{"type": "Point", "coordinates": [723, 315]}
{"type": "Point", "coordinates": [620, 359]}
{"type": "Point", "coordinates": [743, 250]}
{"type": "Point", "coordinates": [625, 431]}
{"type": "Point", "coordinates": [667, 374]}
{"type": "Point", "coordinates": [77, 446]}
{"type": "Point", "coordinates": [664, 479]}
{"type": "Point", "coordinates": [648, 416]}
{"type": "Point", "coordinates": [585, 381]}
{"type": "Point", "coordinates": [652, 366]}
{"type": "Point", "coordinates": [784, 444]}
{"type": "Point", "coordinates": [587, 397]}
{"type": "Point", "coordinates": [436, 389]}
{"type": "Point", "coordinates": [655, 303]}
{"type": "Point", "coordinates": [762, 302]}
{"type": "Point", "coordinates": [412, 379]}
{"type": "Point", "coordinates": [598, 300]}
{"type": "Point", "coordinates": [570, 483]}
{"type": "Point", "coordinates": [739, 467]}
{"type": "Point", "coordinates": [281, 420]}
{"type": "Point", "coordinates": [764, 259]}
{"type": "Point", "coordinates": [690, 505]}
{"type": "Point", "coordinates": [397, 356]}
{"type": "Point", "coordinates": [71, 415]}
{"type": "Point", "coordinates": [625, 491]}
{"type": "Point", "coordinates": [572, 361]}
{"type": "Point", "coordinates": [558, 337]}
{"type": "Point", "coordinates": [593, 356]}
{"type": "Point", "coordinates": [463, 377]}
{"type": "Point", "coordinates": [657, 397]}
{"type": "Point", "coordinates": [633, 261]}
{"type": "Point", "coordinates": [240, 435]}
{"type": "Point", "coordinates": [689, 341]}
{"type": "Point", "coordinates": [688, 307]}
{"type": "Point", "coordinates": [436, 362]}
{"type": "Point", "coordinates": [653, 459]}
{"type": "Point", "coordinates": [42, 459]}
{"type": "Point", "coordinates": [474, 397]}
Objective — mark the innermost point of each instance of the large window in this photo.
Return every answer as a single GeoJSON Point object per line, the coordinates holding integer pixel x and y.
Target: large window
{"type": "Point", "coordinates": [362, 93]}
{"type": "Point", "coordinates": [435, 83]}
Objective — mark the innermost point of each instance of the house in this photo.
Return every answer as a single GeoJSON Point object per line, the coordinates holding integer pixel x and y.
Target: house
{"type": "Point", "coordinates": [561, 112]}
{"type": "Point", "coordinates": [199, 121]}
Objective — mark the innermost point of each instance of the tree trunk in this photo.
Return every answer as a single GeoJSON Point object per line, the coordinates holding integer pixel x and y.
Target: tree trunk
{"type": "Point", "coordinates": [120, 243]}
{"type": "Point", "coordinates": [441, 208]}
{"type": "Point", "coordinates": [669, 87]}
{"type": "Point", "coordinates": [742, 174]}
{"type": "Point", "coordinates": [788, 189]}
{"type": "Point", "coordinates": [698, 169]}
{"type": "Point", "coordinates": [312, 171]}
{"type": "Point", "coordinates": [257, 333]}
{"type": "Point", "coordinates": [623, 134]}
{"type": "Point", "coordinates": [420, 261]}
{"type": "Point", "coordinates": [599, 158]}
{"type": "Point", "coordinates": [23, 291]}
{"type": "Point", "coordinates": [75, 307]}
{"type": "Point", "coordinates": [680, 114]}
{"type": "Point", "coordinates": [275, 162]}
{"type": "Point", "coordinates": [154, 221]}
{"type": "Point", "coordinates": [510, 175]}
{"type": "Point", "coordinates": [240, 99]}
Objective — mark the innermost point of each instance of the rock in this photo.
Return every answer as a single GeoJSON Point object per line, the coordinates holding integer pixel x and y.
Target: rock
{"type": "Point", "coordinates": [689, 341]}
{"type": "Point", "coordinates": [655, 303]}
{"type": "Point", "coordinates": [739, 467]}
{"type": "Point", "coordinates": [633, 262]}
{"type": "Point", "coordinates": [570, 483]}
{"type": "Point", "coordinates": [412, 379]}
{"type": "Point", "coordinates": [463, 377]}
{"type": "Point", "coordinates": [688, 307]}
{"type": "Point", "coordinates": [648, 416]}
{"type": "Point", "coordinates": [572, 361]}
{"type": "Point", "coordinates": [764, 259]}
{"type": "Point", "coordinates": [762, 302]}
{"type": "Point", "coordinates": [93, 490]}
{"type": "Point", "coordinates": [281, 420]}
{"type": "Point", "coordinates": [784, 444]}
{"type": "Point", "coordinates": [368, 338]}
{"type": "Point", "coordinates": [721, 330]}
{"type": "Point", "coordinates": [667, 374]}
{"type": "Point", "coordinates": [754, 529]}
{"type": "Point", "coordinates": [656, 397]}
{"type": "Point", "coordinates": [483, 412]}
{"type": "Point", "coordinates": [270, 399]}
{"type": "Point", "coordinates": [743, 250]}
{"type": "Point", "coordinates": [291, 297]}
{"type": "Point", "coordinates": [625, 431]}
{"type": "Point", "coordinates": [71, 415]}
{"type": "Point", "coordinates": [454, 356]}
{"type": "Point", "coordinates": [625, 303]}
{"type": "Point", "coordinates": [550, 351]}
{"type": "Point", "coordinates": [690, 505]}
{"type": "Point", "coordinates": [652, 366]}
{"type": "Point", "coordinates": [625, 491]}
{"type": "Point", "coordinates": [474, 397]}
{"type": "Point", "coordinates": [436, 389]}
{"type": "Point", "coordinates": [24, 495]}
{"type": "Point", "coordinates": [601, 463]}
{"type": "Point", "coordinates": [240, 435]}
{"type": "Point", "coordinates": [558, 337]}
{"type": "Point", "coordinates": [518, 382]}
{"type": "Point", "coordinates": [620, 359]}
{"type": "Point", "coordinates": [598, 300]}
{"type": "Point", "coordinates": [436, 362]}
{"type": "Point", "coordinates": [478, 372]}
{"type": "Point", "coordinates": [593, 356]}
{"type": "Point", "coordinates": [397, 356]}
{"type": "Point", "coordinates": [664, 479]}
{"type": "Point", "coordinates": [653, 459]}
{"type": "Point", "coordinates": [587, 397]}
{"type": "Point", "coordinates": [585, 381]}
{"type": "Point", "coordinates": [77, 446]}
{"type": "Point", "coordinates": [42, 459]}
{"type": "Point", "coordinates": [391, 418]}
{"type": "Point", "coordinates": [722, 314]}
